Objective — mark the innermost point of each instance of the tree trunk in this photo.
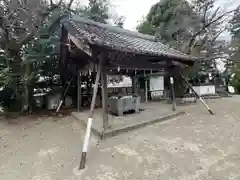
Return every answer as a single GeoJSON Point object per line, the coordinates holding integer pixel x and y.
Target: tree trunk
{"type": "Point", "coordinates": [15, 75]}
{"type": "Point", "coordinates": [28, 100]}
{"type": "Point", "coordinates": [179, 85]}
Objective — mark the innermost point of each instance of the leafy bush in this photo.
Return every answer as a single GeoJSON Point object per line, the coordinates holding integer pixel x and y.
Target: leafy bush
{"type": "Point", "coordinates": [9, 101]}
{"type": "Point", "coordinates": [235, 82]}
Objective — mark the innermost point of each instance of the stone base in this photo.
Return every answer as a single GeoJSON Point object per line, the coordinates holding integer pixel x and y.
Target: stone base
{"type": "Point", "coordinates": [151, 113]}
{"type": "Point", "coordinates": [191, 99]}
{"type": "Point", "coordinates": [184, 100]}
{"type": "Point", "coordinates": [211, 96]}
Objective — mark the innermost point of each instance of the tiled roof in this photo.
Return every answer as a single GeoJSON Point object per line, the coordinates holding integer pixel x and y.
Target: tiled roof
{"type": "Point", "coordinates": [119, 39]}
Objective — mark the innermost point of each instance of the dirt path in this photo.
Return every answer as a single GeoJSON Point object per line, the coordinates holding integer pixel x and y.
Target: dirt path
{"type": "Point", "coordinates": [195, 146]}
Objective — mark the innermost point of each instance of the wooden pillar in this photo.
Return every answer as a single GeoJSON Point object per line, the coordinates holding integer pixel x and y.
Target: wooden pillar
{"type": "Point", "coordinates": [104, 98]}
{"type": "Point", "coordinates": [79, 103]}
{"type": "Point", "coordinates": [134, 84]}
{"type": "Point", "coordinates": [171, 71]}
{"type": "Point", "coordinates": [173, 93]}
{"type": "Point", "coordinates": [146, 87]}
{"type": "Point", "coordinates": [63, 54]}
{"type": "Point", "coordinates": [90, 118]}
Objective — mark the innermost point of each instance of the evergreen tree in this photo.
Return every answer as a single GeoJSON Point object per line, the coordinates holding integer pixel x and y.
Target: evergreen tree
{"type": "Point", "coordinates": [97, 10]}
{"type": "Point", "coordinates": [20, 24]}
{"type": "Point", "coordinates": [30, 48]}
{"type": "Point", "coordinates": [193, 28]}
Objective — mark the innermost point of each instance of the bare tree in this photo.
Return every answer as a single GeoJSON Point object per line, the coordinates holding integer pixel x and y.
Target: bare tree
{"type": "Point", "coordinates": [210, 18]}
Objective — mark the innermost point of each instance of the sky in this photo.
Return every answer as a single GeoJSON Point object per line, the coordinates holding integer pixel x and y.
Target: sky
{"type": "Point", "coordinates": [135, 10]}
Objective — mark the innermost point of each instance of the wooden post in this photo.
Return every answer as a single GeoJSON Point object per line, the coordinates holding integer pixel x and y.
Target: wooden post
{"type": "Point", "coordinates": [79, 90]}
{"type": "Point", "coordinates": [63, 56]}
{"type": "Point", "coordinates": [134, 84]}
{"type": "Point", "coordinates": [171, 71]}
{"type": "Point", "coordinates": [64, 93]}
{"type": "Point", "coordinates": [146, 87]}
{"type": "Point", "coordinates": [196, 94]}
{"type": "Point", "coordinates": [173, 94]}
{"type": "Point", "coordinates": [90, 119]}
{"type": "Point", "coordinates": [104, 98]}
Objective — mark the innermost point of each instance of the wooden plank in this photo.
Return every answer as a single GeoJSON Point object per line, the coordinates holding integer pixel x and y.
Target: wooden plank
{"type": "Point", "coordinates": [80, 45]}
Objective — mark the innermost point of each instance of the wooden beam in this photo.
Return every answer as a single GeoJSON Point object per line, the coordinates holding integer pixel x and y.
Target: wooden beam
{"type": "Point", "coordinates": [104, 99]}
{"type": "Point", "coordinates": [64, 94]}
{"type": "Point", "coordinates": [196, 94]}
{"type": "Point", "coordinates": [90, 119]}
{"type": "Point", "coordinates": [85, 48]}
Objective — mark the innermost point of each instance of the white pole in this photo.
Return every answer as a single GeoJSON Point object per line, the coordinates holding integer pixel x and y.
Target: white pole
{"type": "Point", "coordinates": [90, 119]}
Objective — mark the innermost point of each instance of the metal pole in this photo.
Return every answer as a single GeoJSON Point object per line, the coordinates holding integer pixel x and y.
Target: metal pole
{"type": "Point", "coordinates": [90, 119]}
{"type": "Point", "coordinates": [173, 94]}
{"type": "Point", "coordinates": [64, 95]}
{"type": "Point", "coordinates": [196, 94]}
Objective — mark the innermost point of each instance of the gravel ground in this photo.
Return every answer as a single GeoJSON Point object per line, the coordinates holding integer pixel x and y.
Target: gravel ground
{"type": "Point", "coordinates": [195, 146]}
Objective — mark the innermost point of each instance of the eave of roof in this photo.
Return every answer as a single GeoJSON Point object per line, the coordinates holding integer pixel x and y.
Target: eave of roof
{"type": "Point", "coordinates": [131, 39]}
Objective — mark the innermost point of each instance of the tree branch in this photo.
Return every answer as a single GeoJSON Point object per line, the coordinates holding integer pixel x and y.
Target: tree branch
{"type": "Point", "coordinates": [70, 4]}
{"type": "Point", "coordinates": [204, 28]}
{"type": "Point", "coordinates": [51, 3]}
{"type": "Point", "coordinates": [217, 35]}
{"type": "Point", "coordinates": [60, 2]}
{"type": "Point", "coordinates": [205, 12]}
{"type": "Point", "coordinates": [214, 14]}
{"type": "Point", "coordinates": [27, 38]}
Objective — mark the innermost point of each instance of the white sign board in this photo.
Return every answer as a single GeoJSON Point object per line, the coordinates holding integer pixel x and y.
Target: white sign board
{"type": "Point", "coordinates": [231, 89]}
{"type": "Point", "coordinates": [156, 83]}
{"type": "Point", "coordinates": [119, 81]}
{"type": "Point", "coordinates": [156, 93]}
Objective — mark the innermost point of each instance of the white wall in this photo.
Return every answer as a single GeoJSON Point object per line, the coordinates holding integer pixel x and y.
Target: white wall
{"type": "Point", "coordinates": [205, 90]}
